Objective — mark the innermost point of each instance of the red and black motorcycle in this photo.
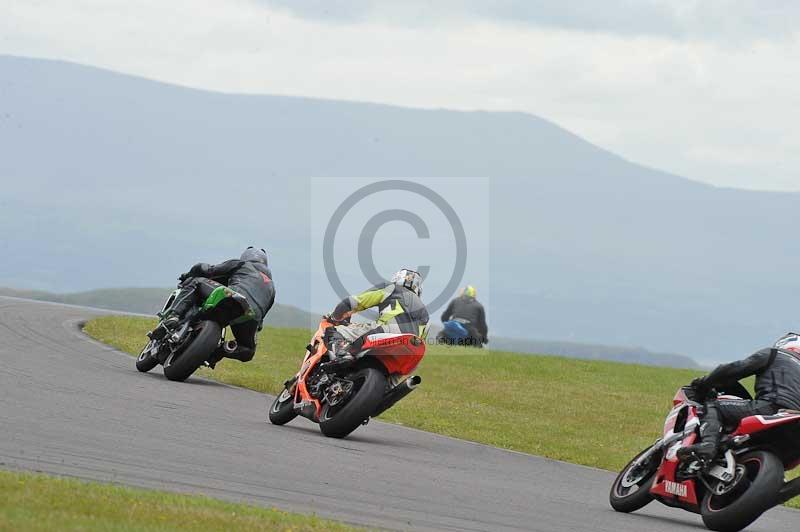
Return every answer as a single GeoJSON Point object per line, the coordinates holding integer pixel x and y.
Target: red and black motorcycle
{"type": "Point", "coordinates": [746, 479]}
{"type": "Point", "coordinates": [342, 397]}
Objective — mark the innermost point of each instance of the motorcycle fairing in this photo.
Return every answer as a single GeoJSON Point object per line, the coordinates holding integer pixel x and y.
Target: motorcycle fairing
{"type": "Point", "coordinates": [665, 483]}
{"type": "Point", "coordinates": [304, 401]}
{"type": "Point", "coordinates": [754, 424]}
{"type": "Point", "coordinates": [228, 305]}
{"type": "Point", "coordinates": [669, 490]}
{"type": "Point", "coordinates": [400, 353]}
{"type": "Point", "coordinates": [679, 431]}
{"type": "Point", "coordinates": [170, 300]}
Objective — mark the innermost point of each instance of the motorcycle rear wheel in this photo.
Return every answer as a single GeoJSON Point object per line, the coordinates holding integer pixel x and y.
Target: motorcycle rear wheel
{"type": "Point", "coordinates": [636, 494]}
{"type": "Point", "coordinates": [340, 420]}
{"type": "Point", "coordinates": [760, 486]}
{"type": "Point", "coordinates": [206, 338]}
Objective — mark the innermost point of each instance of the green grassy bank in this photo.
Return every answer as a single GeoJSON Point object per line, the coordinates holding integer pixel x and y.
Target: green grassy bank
{"type": "Point", "coordinates": [34, 502]}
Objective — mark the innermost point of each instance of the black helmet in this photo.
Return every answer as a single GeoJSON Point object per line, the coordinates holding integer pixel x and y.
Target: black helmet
{"type": "Point", "coordinates": [252, 254]}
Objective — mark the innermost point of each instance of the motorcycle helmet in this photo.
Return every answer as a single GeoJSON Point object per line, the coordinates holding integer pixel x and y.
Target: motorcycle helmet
{"type": "Point", "coordinates": [409, 279]}
{"type": "Point", "coordinates": [252, 254]}
{"type": "Point", "coordinates": [789, 342]}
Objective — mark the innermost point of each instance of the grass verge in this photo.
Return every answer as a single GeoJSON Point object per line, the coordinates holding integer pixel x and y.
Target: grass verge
{"type": "Point", "coordinates": [35, 502]}
{"type": "Point", "coordinates": [587, 412]}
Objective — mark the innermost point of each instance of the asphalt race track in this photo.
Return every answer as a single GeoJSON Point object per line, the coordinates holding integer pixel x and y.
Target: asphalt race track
{"type": "Point", "coordinates": [71, 406]}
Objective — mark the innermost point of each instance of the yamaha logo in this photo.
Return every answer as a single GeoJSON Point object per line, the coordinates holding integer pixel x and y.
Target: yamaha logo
{"type": "Point", "coordinates": [675, 488]}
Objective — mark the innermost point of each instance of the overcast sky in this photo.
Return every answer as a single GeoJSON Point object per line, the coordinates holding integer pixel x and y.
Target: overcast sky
{"type": "Point", "coordinates": [707, 89]}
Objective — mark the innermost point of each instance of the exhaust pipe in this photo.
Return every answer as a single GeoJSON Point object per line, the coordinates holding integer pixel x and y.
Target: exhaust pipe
{"type": "Point", "coordinates": [230, 347]}
{"type": "Point", "coordinates": [397, 393]}
{"type": "Point", "coordinates": [789, 490]}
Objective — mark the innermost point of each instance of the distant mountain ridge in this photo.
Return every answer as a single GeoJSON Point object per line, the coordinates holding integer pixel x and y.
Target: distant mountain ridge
{"type": "Point", "coordinates": [111, 179]}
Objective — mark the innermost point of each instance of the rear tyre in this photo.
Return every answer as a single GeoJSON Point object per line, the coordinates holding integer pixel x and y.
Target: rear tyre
{"type": "Point", "coordinates": [206, 337]}
{"type": "Point", "coordinates": [146, 361]}
{"type": "Point", "coordinates": [282, 410]}
{"type": "Point", "coordinates": [631, 489]}
{"type": "Point", "coordinates": [759, 478]}
{"type": "Point", "coordinates": [369, 385]}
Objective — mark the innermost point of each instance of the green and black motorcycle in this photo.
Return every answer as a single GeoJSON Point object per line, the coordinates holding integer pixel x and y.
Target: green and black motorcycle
{"type": "Point", "coordinates": [195, 342]}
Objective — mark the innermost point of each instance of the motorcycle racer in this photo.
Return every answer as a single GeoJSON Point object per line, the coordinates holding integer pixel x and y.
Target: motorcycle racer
{"type": "Point", "coordinates": [400, 310]}
{"type": "Point", "coordinates": [250, 280]}
{"type": "Point", "coordinates": [777, 386]}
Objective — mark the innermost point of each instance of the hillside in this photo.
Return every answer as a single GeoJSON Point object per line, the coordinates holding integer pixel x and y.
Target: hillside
{"type": "Point", "coordinates": [111, 179]}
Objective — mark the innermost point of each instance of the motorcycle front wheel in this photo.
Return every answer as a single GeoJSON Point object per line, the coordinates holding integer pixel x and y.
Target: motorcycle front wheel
{"type": "Point", "coordinates": [369, 385]}
{"type": "Point", "coordinates": [631, 489]}
{"type": "Point", "coordinates": [146, 361]}
{"type": "Point", "coordinates": [282, 410]}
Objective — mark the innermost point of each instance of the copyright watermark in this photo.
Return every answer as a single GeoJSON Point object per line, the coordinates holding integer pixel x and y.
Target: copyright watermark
{"type": "Point", "coordinates": [364, 230]}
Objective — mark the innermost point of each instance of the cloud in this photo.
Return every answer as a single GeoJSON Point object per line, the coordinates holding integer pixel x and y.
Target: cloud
{"type": "Point", "coordinates": [699, 108]}
{"type": "Point", "coordinates": [728, 20]}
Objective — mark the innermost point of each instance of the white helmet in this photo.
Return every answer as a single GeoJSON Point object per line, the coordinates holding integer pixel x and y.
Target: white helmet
{"type": "Point", "coordinates": [789, 342]}
{"type": "Point", "coordinates": [409, 279]}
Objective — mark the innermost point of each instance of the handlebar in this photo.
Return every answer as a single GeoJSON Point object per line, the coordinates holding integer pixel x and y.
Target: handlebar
{"type": "Point", "coordinates": [332, 321]}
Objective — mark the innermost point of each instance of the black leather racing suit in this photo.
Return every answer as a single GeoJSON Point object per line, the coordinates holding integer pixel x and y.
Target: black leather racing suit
{"type": "Point", "coordinates": [777, 387]}
{"type": "Point", "coordinates": [251, 279]}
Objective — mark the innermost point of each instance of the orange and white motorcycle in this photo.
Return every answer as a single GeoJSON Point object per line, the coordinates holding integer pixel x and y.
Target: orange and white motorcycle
{"type": "Point", "coordinates": [342, 397]}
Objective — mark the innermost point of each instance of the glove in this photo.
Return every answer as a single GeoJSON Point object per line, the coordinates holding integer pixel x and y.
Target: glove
{"type": "Point", "coordinates": [333, 321]}
{"type": "Point", "coordinates": [194, 271]}
{"type": "Point", "coordinates": [699, 384]}
{"type": "Point", "coordinates": [701, 388]}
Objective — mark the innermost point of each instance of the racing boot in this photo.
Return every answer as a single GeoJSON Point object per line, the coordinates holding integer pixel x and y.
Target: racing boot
{"type": "Point", "coordinates": [338, 348]}
{"type": "Point", "coordinates": [705, 451]}
{"type": "Point", "coordinates": [710, 436]}
{"type": "Point", "coordinates": [169, 323]}
{"type": "Point", "coordinates": [341, 354]}
{"type": "Point", "coordinates": [172, 317]}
